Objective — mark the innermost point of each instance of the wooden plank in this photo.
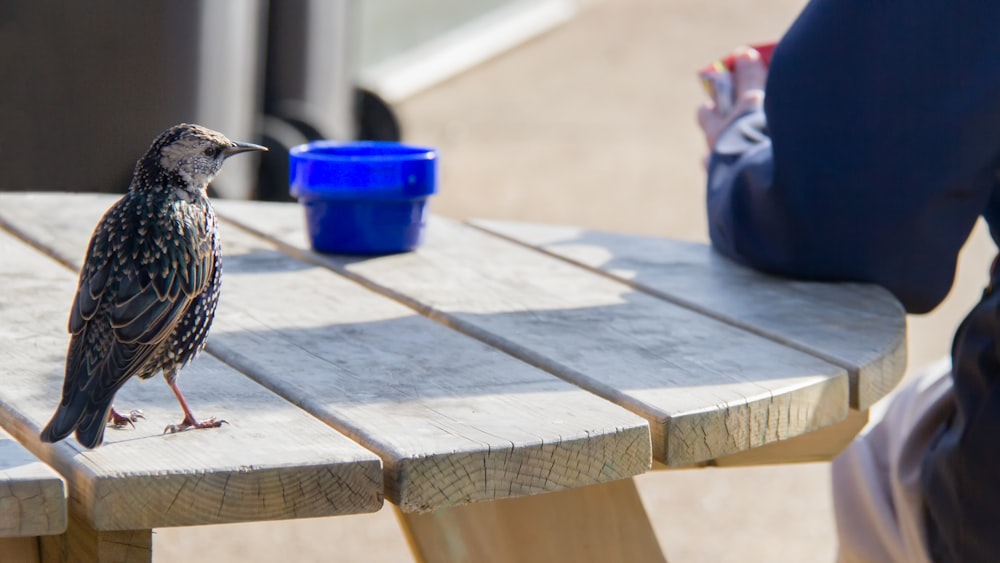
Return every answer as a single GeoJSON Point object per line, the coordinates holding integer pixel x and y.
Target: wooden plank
{"type": "Point", "coordinates": [821, 445]}
{"type": "Point", "coordinates": [708, 389]}
{"type": "Point", "coordinates": [860, 327]}
{"type": "Point", "coordinates": [32, 494]}
{"type": "Point", "coordinates": [595, 524]}
{"type": "Point", "coordinates": [83, 544]}
{"type": "Point", "coordinates": [455, 420]}
{"type": "Point", "coordinates": [21, 550]}
{"type": "Point", "coordinates": [272, 461]}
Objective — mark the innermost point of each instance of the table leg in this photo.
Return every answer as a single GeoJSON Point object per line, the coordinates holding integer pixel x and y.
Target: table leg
{"type": "Point", "coordinates": [599, 523]}
{"type": "Point", "coordinates": [19, 549]}
{"type": "Point", "coordinates": [82, 543]}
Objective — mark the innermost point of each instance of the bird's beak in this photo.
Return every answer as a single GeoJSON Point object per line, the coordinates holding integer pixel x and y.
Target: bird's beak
{"type": "Point", "coordinates": [237, 148]}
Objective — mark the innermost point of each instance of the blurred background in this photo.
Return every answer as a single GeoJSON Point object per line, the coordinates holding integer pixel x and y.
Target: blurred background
{"type": "Point", "coordinates": [560, 111]}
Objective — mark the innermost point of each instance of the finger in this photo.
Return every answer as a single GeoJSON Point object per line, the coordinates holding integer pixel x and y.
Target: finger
{"type": "Point", "coordinates": [749, 100]}
{"type": "Point", "coordinates": [711, 122]}
{"type": "Point", "coordinates": [749, 72]}
{"type": "Point", "coordinates": [706, 113]}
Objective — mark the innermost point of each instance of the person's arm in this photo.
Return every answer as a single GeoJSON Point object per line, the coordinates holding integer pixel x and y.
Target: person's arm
{"type": "Point", "coordinates": [882, 149]}
{"type": "Point", "coordinates": [879, 155]}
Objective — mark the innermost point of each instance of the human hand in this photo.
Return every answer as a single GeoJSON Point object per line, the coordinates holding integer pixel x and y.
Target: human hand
{"type": "Point", "coordinates": [749, 79]}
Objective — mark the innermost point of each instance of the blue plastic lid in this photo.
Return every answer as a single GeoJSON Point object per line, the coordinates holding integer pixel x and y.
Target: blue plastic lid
{"type": "Point", "coordinates": [361, 170]}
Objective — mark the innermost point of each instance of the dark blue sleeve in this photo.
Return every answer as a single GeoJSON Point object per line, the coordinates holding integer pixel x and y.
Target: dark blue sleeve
{"type": "Point", "coordinates": [879, 152]}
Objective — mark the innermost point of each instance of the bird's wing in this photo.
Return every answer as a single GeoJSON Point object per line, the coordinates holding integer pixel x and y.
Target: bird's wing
{"type": "Point", "coordinates": [126, 308]}
{"type": "Point", "coordinates": [92, 285]}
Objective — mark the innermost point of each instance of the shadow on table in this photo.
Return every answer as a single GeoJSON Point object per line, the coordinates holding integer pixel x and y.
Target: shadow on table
{"type": "Point", "coordinates": [658, 360]}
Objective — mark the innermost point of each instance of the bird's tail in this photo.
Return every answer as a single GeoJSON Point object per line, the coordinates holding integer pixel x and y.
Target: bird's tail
{"type": "Point", "coordinates": [61, 425]}
{"type": "Point", "coordinates": [88, 419]}
{"type": "Point", "coordinates": [90, 430]}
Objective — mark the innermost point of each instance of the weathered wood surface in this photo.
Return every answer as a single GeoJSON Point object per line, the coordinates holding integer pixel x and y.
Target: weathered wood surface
{"type": "Point", "coordinates": [707, 388]}
{"type": "Point", "coordinates": [455, 420]}
{"type": "Point", "coordinates": [273, 461]}
{"type": "Point", "coordinates": [32, 494]}
{"type": "Point", "coordinates": [83, 544]}
{"type": "Point", "coordinates": [822, 445]}
{"type": "Point", "coordinates": [596, 524]}
{"type": "Point", "coordinates": [859, 327]}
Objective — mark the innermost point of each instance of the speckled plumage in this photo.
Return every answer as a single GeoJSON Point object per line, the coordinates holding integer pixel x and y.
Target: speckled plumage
{"type": "Point", "coordinates": [149, 285]}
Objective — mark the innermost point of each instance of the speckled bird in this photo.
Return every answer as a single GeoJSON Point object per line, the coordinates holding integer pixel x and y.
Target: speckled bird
{"type": "Point", "coordinates": [149, 285]}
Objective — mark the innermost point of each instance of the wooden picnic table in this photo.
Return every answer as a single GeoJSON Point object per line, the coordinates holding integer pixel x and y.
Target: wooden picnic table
{"type": "Point", "coordinates": [498, 361]}
{"type": "Point", "coordinates": [32, 501]}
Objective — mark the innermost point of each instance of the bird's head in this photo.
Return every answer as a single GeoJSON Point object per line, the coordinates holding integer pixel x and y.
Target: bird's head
{"type": "Point", "coordinates": [191, 153]}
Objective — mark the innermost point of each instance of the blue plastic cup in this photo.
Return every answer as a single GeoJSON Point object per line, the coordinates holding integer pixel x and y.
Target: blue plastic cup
{"type": "Point", "coordinates": [364, 197]}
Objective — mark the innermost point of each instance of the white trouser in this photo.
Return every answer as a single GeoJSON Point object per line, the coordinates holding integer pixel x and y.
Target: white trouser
{"type": "Point", "coordinates": [876, 480]}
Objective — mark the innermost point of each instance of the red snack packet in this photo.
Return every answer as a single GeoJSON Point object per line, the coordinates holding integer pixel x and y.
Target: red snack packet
{"type": "Point", "coordinates": [765, 50]}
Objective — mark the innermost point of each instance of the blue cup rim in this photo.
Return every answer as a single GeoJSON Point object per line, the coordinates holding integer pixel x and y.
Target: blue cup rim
{"type": "Point", "coordinates": [362, 170]}
{"type": "Point", "coordinates": [340, 151]}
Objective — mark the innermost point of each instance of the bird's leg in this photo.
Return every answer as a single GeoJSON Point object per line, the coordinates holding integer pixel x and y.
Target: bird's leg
{"type": "Point", "coordinates": [119, 420]}
{"type": "Point", "coordinates": [189, 420]}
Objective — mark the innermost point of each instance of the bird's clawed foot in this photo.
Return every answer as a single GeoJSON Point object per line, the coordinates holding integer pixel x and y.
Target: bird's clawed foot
{"type": "Point", "coordinates": [119, 420]}
{"type": "Point", "coordinates": [189, 422]}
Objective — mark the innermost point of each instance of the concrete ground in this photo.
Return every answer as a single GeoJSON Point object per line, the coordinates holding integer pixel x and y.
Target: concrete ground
{"type": "Point", "coordinates": [592, 124]}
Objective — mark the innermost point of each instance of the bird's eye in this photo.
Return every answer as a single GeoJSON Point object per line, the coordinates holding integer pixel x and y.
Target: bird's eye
{"type": "Point", "coordinates": [212, 152]}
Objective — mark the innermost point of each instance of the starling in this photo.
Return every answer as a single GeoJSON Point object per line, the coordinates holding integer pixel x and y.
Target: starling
{"type": "Point", "coordinates": [149, 285]}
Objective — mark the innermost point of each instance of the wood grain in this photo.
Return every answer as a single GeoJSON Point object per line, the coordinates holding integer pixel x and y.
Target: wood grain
{"type": "Point", "coordinates": [83, 544]}
{"type": "Point", "coordinates": [596, 524]}
{"type": "Point", "coordinates": [21, 550]}
{"type": "Point", "coordinates": [707, 388]}
{"type": "Point", "coordinates": [821, 445]}
{"type": "Point", "coordinates": [455, 420]}
{"type": "Point", "coordinates": [857, 326]}
{"type": "Point", "coordinates": [32, 494]}
{"type": "Point", "coordinates": [271, 461]}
